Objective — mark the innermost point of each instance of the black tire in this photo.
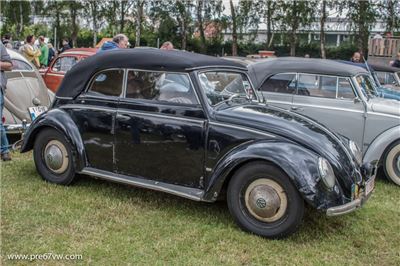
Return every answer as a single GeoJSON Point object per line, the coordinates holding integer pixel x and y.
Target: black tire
{"type": "Point", "coordinates": [391, 163]}
{"type": "Point", "coordinates": [284, 222]}
{"type": "Point", "coordinates": [50, 138]}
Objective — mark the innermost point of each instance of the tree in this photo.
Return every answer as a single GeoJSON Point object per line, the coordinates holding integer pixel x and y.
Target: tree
{"type": "Point", "coordinates": [74, 8]}
{"type": "Point", "coordinates": [363, 14]}
{"type": "Point", "coordinates": [17, 16]}
{"type": "Point", "coordinates": [272, 15]}
{"type": "Point", "coordinates": [389, 11]}
{"type": "Point", "coordinates": [96, 11]}
{"type": "Point", "coordinates": [296, 14]}
{"type": "Point", "coordinates": [244, 17]}
{"type": "Point", "coordinates": [322, 28]}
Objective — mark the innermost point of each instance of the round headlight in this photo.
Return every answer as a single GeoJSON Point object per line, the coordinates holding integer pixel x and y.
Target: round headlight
{"type": "Point", "coordinates": [326, 173]}
{"type": "Point", "coordinates": [355, 150]}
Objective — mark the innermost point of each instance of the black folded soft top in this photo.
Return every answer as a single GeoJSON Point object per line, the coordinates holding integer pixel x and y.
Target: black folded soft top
{"type": "Point", "coordinates": [139, 58]}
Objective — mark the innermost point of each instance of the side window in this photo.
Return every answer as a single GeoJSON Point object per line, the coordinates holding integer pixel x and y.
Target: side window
{"type": "Point", "coordinates": [65, 63]}
{"type": "Point", "coordinates": [160, 86]}
{"type": "Point", "coordinates": [20, 65]}
{"type": "Point", "coordinates": [280, 83]}
{"type": "Point", "coordinates": [317, 86]}
{"type": "Point", "coordinates": [107, 83]}
{"type": "Point", "coordinates": [381, 77]}
{"type": "Point", "coordinates": [345, 91]}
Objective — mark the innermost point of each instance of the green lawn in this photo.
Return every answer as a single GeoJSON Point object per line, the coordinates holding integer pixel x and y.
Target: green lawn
{"type": "Point", "coordinates": [111, 224]}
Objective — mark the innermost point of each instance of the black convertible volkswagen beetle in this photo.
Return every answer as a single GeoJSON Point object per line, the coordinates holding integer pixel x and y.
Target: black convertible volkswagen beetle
{"type": "Point", "coordinates": [191, 125]}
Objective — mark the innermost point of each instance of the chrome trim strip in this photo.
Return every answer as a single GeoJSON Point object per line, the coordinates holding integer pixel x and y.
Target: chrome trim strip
{"type": "Point", "coordinates": [385, 115]}
{"type": "Point", "coordinates": [111, 109]}
{"type": "Point", "coordinates": [54, 74]}
{"type": "Point", "coordinates": [243, 128]}
{"type": "Point", "coordinates": [185, 192]}
{"type": "Point", "coordinates": [200, 121]}
{"type": "Point", "coordinates": [217, 66]}
{"type": "Point", "coordinates": [326, 107]}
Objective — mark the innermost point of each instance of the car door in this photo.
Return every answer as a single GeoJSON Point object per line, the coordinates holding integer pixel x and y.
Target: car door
{"type": "Point", "coordinates": [278, 90]}
{"type": "Point", "coordinates": [94, 113]}
{"type": "Point", "coordinates": [331, 101]}
{"type": "Point", "coordinates": [56, 72]}
{"type": "Point", "coordinates": [160, 129]}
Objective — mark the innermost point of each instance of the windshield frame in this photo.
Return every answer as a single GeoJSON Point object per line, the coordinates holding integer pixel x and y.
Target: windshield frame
{"type": "Point", "coordinates": [374, 88]}
{"type": "Point", "coordinates": [225, 70]}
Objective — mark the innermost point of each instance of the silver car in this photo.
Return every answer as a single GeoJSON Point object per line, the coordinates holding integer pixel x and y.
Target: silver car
{"type": "Point", "coordinates": [341, 97]}
{"type": "Point", "coordinates": [26, 96]}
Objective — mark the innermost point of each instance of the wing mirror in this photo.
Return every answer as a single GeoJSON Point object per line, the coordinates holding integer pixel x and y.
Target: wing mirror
{"type": "Point", "coordinates": [357, 100]}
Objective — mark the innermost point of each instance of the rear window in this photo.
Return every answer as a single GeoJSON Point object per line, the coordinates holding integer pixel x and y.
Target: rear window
{"type": "Point", "coordinates": [107, 83]}
{"type": "Point", "coordinates": [280, 83]}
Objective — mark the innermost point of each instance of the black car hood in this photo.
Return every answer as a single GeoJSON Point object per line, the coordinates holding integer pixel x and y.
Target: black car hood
{"type": "Point", "coordinates": [296, 128]}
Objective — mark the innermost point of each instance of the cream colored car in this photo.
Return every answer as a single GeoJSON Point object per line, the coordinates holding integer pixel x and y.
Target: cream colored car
{"type": "Point", "coordinates": [26, 96]}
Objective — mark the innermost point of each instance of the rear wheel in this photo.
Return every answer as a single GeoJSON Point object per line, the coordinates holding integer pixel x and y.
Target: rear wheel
{"type": "Point", "coordinates": [391, 163]}
{"type": "Point", "coordinates": [53, 157]}
{"type": "Point", "coordinates": [263, 201]}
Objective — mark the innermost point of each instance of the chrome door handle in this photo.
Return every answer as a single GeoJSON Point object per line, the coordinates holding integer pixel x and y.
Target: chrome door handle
{"type": "Point", "coordinates": [294, 108]}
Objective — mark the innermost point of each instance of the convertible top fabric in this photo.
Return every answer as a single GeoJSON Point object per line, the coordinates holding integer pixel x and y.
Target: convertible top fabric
{"type": "Point", "coordinates": [139, 58]}
{"type": "Point", "coordinates": [261, 70]}
{"type": "Point", "coordinates": [383, 68]}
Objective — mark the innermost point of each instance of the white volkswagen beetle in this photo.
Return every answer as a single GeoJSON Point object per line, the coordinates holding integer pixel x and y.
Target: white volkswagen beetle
{"type": "Point", "coordinates": [26, 96]}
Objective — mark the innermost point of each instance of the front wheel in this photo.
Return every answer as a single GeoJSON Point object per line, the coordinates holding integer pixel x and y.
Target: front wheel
{"type": "Point", "coordinates": [391, 163]}
{"type": "Point", "coordinates": [262, 200]}
{"type": "Point", "coordinates": [53, 157]}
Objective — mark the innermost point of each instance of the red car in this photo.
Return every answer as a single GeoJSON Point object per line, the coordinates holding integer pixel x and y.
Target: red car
{"type": "Point", "coordinates": [54, 74]}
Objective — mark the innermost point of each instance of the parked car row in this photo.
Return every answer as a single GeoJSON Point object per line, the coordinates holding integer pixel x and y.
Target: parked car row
{"type": "Point", "coordinates": [195, 126]}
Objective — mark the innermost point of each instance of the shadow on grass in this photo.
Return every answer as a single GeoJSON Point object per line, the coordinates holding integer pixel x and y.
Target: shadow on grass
{"type": "Point", "coordinates": [315, 224]}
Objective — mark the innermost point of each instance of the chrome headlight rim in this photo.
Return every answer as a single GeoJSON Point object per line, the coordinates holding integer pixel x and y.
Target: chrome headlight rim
{"type": "Point", "coordinates": [326, 173]}
{"type": "Point", "coordinates": [355, 150]}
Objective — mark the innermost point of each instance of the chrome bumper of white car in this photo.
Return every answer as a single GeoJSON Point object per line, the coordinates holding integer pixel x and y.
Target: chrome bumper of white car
{"type": "Point", "coordinates": [16, 128]}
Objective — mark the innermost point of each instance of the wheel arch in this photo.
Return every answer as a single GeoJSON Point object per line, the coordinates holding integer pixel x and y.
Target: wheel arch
{"type": "Point", "coordinates": [61, 121]}
{"type": "Point", "coordinates": [297, 162]}
{"type": "Point", "coordinates": [379, 146]}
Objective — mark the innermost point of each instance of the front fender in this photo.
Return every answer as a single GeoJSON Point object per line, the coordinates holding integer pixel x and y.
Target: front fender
{"type": "Point", "coordinates": [61, 121]}
{"type": "Point", "coordinates": [299, 163]}
{"type": "Point", "coordinates": [378, 146]}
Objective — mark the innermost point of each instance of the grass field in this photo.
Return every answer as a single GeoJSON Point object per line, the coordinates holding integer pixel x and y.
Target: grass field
{"type": "Point", "coordinates": [111, 224]}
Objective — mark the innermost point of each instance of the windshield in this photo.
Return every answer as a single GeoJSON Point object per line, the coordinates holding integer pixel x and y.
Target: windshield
{"type": "Point", "coordinates": [225, 86]}
{"type": "Point", "coordinates": [367, 85]}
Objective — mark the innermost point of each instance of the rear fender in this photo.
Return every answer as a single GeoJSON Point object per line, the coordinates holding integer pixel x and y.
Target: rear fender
{"type": "Point", "coordinates": [61, 121]}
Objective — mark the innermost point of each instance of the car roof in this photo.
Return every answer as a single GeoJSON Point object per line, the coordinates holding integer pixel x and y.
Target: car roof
{"type": "Point", "coordinates": [80, 51]}
{"type": "Point", "coordinates": [261, 70]}
{"type": "Point", "coordinates": [16, 55]}
{"type": "Point", "coordinates": [383, 68]}
{"type": "Point", "coordinates": [138, 58]}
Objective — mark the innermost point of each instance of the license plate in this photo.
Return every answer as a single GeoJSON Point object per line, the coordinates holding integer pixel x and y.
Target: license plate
{"type": "Point", "coordinates": [369, 185]}
{"type": "Point", "coordinates": [36, 111]}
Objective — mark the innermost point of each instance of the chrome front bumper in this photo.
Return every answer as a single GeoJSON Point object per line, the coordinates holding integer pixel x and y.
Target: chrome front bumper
{"type": "Point", "coordinates": [354, 204]}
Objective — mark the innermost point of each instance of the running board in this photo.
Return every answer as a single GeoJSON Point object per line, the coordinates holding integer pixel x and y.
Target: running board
{"type": "Point", "coordinates": [181, 191]}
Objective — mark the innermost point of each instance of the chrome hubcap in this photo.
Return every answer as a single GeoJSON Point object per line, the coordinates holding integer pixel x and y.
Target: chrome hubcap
{"type": "Point", "coordinates": [266, 200]}
{"type": "Point", "coordinates": [56, 157]}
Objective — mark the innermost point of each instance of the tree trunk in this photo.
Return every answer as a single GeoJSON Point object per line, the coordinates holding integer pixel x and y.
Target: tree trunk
{"type": "Point", "coordinates": [234, 30]}
{"type": "Point", "coordinates": [322, 32]}
{"type": "Point", "coordinates": [200, 5]}
{"type": "Point", "coordinates": [122, 21]}
{"type": "Point", "coordinates": [94, 17]}
{"type": "Point", "coordinates": [74, 34]}
{"type": "Point", "coordinates": [363, 30]}
{"type": "Point", "coordinates": [184, 37]}
{"type": "Point", "coordinates": [21, 17]}
{"type": "Point", "coordinates": [293, 41]}
{"type": "Point", "coordinates": [269, 32]}
{"type": "Point", "coordinates": [139, 22]}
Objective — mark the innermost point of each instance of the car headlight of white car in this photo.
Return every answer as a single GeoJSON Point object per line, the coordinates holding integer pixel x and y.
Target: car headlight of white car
{"type": "Point", "coordinates": [326, 173]}
{"type": "Point", "coordinates": [355, 150]}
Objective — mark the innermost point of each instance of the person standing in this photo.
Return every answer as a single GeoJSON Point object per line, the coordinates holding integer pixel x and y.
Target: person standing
{"type": "Point", "coordinates": [65, 46]}
{"type": "Point", "coordinates": [44, 57]}
{"type": "Point", "coordinates": [119, 41]}
{"type": "Point", "coordinates": [167, 46]}
{"type": "Point", "coordinates": [5, 65]}
{"type": "Point", "coordinates": [356, 58]}
{"type": "Point", "coordinates": [52, 53]}
{"type": "Point", "coordinates": [30, 51]}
